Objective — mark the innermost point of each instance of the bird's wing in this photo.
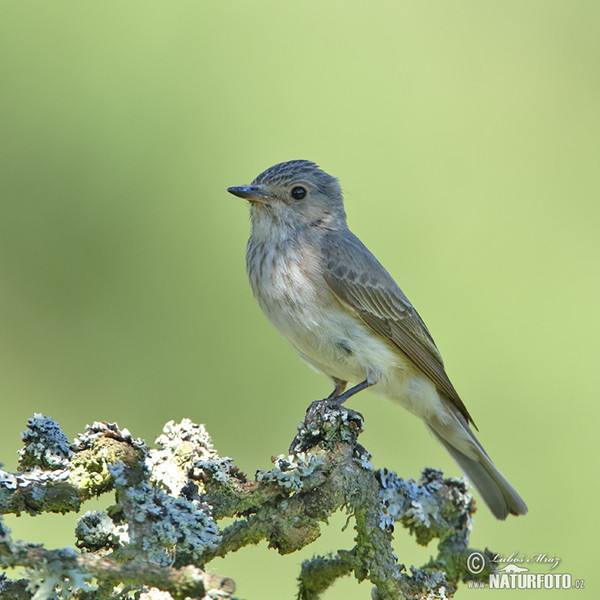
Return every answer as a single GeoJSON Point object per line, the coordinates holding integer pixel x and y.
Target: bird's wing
{"type": "Point", "coordinates": [359, 280]}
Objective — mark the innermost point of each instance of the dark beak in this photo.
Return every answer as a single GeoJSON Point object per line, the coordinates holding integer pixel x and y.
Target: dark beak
{"type": "Point", "coordinates": [249, 192]}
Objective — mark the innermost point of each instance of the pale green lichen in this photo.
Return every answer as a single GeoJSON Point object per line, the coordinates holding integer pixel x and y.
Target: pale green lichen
{"type": "Point", "coordinates": [220, 469]}
{"type": "Point", "coordinates": [51, 580]}
{"type": "Point", "coordinates": [6, 544]}
{"type": "Point", "coordinates": [162, 522]}
{"type": "Point", "coordinates": [183, 446]}
{"type": "Point", "coordinates": [33, 491]}
{"type": "Point", "coordinates": [432, 508]}
{"type": "Point", "coordinates": [155, 594]}
{"type": "Point", "coordinates": [326, 428]}
{"type": "Point", "coordinates": [291, 471]}
{"type": "Point", "coordinates": [163, 525]}
{"type": "Point", "coordinates": [96, 531]}
{"type": "Point", "coordinates": [99, 429]}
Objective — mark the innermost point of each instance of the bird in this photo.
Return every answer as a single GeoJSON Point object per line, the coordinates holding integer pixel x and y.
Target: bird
{"type": "Point", "coordinates": [344, 314]}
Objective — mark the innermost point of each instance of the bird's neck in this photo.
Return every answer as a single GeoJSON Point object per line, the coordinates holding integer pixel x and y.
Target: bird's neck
{"type": "Point", "coordinates": [270, 224]}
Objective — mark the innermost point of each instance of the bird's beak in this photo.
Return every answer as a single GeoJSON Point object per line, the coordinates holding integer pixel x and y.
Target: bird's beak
{"type": "Point", "coordinates": [253, 193]}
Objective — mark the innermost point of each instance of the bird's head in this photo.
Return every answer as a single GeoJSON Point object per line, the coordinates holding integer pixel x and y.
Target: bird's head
{"type": "Point", "coordinates": [296, 193]}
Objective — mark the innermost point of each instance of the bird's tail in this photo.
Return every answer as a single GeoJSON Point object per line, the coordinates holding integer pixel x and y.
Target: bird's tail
{"type": "Point", "coordinates": [456, 436]}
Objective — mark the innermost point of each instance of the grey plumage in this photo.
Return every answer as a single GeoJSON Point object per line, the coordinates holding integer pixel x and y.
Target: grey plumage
{"type": "Point", "coordinates": [346, 316]}
{"type": "Point", "coordinates": [359, 280]}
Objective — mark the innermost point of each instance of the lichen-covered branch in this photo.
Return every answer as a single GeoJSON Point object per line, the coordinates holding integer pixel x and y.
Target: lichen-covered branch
{"type": "Point", "coordinates": [162, 530]}
{"type": "Point", "coordinates": [69, 564]}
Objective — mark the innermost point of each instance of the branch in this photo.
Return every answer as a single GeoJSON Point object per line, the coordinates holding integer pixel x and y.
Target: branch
{"type": "Point", "coordinates": [185, 582]}
{"type": "Point", "coordinates": [162, 529]}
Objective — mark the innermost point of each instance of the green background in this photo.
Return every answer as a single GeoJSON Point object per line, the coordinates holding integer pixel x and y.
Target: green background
{"type": "Point", "coordinates": [466, 137]}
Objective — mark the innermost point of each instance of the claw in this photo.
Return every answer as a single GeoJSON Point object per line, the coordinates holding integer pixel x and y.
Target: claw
{"type": "Point", "coordinates": [310, 430]}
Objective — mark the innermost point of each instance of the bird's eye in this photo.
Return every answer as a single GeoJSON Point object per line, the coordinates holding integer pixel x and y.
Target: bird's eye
{"type": "Point", "coordinates": [298, 192]}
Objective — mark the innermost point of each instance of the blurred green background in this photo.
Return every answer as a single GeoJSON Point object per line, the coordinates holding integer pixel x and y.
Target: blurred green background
{"type": "Point", "coordinates": [466, 137]}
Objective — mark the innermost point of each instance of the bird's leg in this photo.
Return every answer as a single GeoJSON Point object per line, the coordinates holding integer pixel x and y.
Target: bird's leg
{"type": "Point", "coordinates": [341, 398]}
{"type": "Point", "coordinates": [336, 398]}
{"type": "Point", "coordinates": [340, 386]}
{"type": "Point", "coordinates": [311, 429]}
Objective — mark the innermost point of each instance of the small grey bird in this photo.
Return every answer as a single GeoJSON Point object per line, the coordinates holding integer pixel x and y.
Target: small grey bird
{"type": "Point", "coordinates": [344, 314]}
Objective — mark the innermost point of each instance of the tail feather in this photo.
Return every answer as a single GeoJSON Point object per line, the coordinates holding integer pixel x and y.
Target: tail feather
{"type": "Point", "coordinates": [501, 498]}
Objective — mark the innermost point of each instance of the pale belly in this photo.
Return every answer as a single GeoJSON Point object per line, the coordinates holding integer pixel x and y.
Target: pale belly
{"type": "Point", "coordinates": [335, 341]}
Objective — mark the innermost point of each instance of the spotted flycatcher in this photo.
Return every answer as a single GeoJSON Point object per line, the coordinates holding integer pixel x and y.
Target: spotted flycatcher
{"type": "Point", "coordinates": [341, 310]}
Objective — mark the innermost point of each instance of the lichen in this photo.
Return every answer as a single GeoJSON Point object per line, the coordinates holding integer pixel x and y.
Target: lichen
{"type": "Point", "coordinates": [291, 471]}
{"type": "Point", "coordinates": [100, 429]}
{"type": "Point", "coordinates": [164, 526]}
{"type": "Point", "coordinates": [6, 544]}
{"type": "Point", "coordinates": [46, 446]}
{"type": "Point", "coordinates": [327, 425]}
{"type": "Point", "coordinates": [35, 476]}
{"type": "Point", "coordinates": [36, 491]}
{"type": "Point", "coordinates": [432, 508]}
{"type": "Point", "coordinates": [183, 447]}
{"type": "Point", "coordinates": [97, 531]}
{"type": "Point", "coordinates": [101, 445]}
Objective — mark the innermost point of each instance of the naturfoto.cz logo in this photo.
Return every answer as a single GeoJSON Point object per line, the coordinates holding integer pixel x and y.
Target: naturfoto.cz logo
{"type": "Point", "coordinates": [513, 576]}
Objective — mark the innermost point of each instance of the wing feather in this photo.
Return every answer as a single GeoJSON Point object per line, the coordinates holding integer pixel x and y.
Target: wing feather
{"type": "Point", "coordinates": [359, 280]}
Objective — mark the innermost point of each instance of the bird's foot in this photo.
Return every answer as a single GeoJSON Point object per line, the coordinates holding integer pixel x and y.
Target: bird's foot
{"type": "Point", "coordinates": [320, 409]}
{"type": "Point", "coordinates": [323, 421]}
